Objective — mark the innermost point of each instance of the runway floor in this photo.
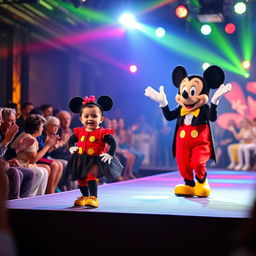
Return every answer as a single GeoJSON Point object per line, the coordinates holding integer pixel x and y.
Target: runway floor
{"type": "Point", "coordinates": [232, 195]}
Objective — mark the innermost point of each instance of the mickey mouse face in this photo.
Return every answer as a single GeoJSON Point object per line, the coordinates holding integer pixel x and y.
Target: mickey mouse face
{"type": "Point", "coordinates": [190, 95]}
{"type": "Point", "coordinates": [194, 90]}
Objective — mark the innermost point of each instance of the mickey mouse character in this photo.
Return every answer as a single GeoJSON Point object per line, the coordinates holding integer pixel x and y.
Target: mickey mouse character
{"type": "Point", "coordinates": [193, 144]}
{"type": "Point", "coordinates": [91, 157]}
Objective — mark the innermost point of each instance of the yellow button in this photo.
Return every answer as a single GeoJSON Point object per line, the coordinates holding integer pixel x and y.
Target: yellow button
{"type": "Point", "coordinates": [82, 138]}
{"type": "Point", "coordinates": [194, 133]}
{"type": "Point", "coordinates": [80, 150]}
{"type": "Point", "coordinates": [90, 151]}
{"type": "Point", "coordinates": [92, 139]}
{"type": "Point", "coordinates": [182, 134]}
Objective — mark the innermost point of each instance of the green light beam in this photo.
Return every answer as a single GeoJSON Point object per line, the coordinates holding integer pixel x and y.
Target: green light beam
{"type": "Point", "coordinates": [190, 49]}
{"type": "Point", "coordinates": [218, 39]}
{"type": "Point", "coordinates": [246, 37]}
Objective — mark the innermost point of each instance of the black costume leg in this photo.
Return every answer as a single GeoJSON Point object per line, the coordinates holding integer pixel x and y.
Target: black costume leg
{"type": "Point", "coordinates": [84, 190]}
{"type": "Point", "coordinates": [93, 187]}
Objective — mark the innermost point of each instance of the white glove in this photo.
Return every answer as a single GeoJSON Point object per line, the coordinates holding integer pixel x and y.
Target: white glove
{"type": "Point", "coordinates": [159, 97]}
{"type": "Point", "coordinates": [72, 150]}
{"type": "Point", "coordinates": [223, 89]}
{"type": "Point", "coordinates": [106, 157]}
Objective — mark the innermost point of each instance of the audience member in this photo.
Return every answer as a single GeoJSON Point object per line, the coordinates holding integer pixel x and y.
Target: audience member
{"type": "Point", "coordinates": [227, 139]}
{"type": "Point", "coordinates": [144, 139]}
{"type": "Point", "coordinates": [49, 133]}
{"type": "Point", "coordinates": [36, 111]}
{"type": "Point", "coordinates": [29, 156]}
{"type": "Point", "coordinates": [7, 242]}
{"type": "Point", "coordinates": [124, 137]}
{"type": "Point", "coordinates": [21, 180]}
{"type": "Point", "coordinates": [126, 158]}
{"type": "Point", "coordinates": [164, 142]}
{"type": "Point", "coordinates": [244, 136]}
{"type": "Point", "coordinates": [25, 111]}
{"type": "Point", "coordinates": [47, 110]}
{"type": "Point", "coordinates": [62, 152]}
{"type": "Point", "coordinates": [244, 151]}
{"type": "Point", "coordinates": [12, 105]}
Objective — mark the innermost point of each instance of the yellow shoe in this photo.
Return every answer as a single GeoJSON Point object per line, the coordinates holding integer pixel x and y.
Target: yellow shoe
{"type": "Point", "coordinates": [184, 190]}
{"type": "Point", "coordinates": [202, 189]}
{"type": "Point", "coordinates": [92, 201]}
{"type": "Point", "coordinates": [80, 201]}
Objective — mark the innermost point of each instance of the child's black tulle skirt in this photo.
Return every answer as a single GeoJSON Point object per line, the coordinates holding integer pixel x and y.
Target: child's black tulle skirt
{"type": "Point", "coordinates": [79, 165]}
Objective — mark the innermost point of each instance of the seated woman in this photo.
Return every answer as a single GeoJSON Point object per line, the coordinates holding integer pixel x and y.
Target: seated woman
{"type": "Point", "coordinates": [227, 139]}
{"type": "Point", "coordinates": [244, 151]}
{"type": "Point", "coordinates": [244, 136]}
{"type": "Point", "coordinates": [51, 127]}
{"type": "Point", "coordinates": [125, 154]}
{"type": "Point", "coordinates": [29, 156]}
{"type": "Point", "coordinates": [125, 143]}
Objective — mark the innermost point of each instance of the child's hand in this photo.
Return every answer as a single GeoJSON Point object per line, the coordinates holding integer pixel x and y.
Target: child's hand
{"type": "Point", "coordinates": [73, 149]}
{"type": "Point", "coordinates": [106, 157]}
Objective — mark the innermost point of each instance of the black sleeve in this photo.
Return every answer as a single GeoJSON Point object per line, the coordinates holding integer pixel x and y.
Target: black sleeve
{"type": "Point", "coordinates": [72, 140]}
{"type": "Point", "coordinates": [110, 139]}
{"type": "Point", "coordinates": [170, 114]}
{"type": "Point", "coordinates": [212, 113]}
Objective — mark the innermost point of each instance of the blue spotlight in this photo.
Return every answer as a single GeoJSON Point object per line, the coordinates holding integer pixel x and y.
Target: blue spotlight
{"type": "Point", "coordinates": [128, 20]}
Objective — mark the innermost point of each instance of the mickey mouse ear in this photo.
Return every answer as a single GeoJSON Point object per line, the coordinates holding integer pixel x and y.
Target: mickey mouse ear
{"type": "Point", "coordinates": [178, 74]}
{"type": "Point", "coordinates": [105, 102]}
{"type": "Point", "coordinates": [75, 104]}
{"type": "Point", "coordinates": [214, 76]}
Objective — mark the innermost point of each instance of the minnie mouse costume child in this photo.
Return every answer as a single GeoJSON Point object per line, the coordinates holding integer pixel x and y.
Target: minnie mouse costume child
{"type": "Point", "coordinates": [90, 158]}
{"type": "Point", "coordinates": [192, 143]}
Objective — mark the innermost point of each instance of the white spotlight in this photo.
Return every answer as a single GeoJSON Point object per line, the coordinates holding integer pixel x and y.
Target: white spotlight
{"type": "Point", "coordinates": [160, 32]}
{"type": "Point", "coordinates": [128, 20]}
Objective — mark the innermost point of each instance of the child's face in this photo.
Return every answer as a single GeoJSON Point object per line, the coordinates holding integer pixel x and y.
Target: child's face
{"type": "Point", "coordinates": [91, 118]}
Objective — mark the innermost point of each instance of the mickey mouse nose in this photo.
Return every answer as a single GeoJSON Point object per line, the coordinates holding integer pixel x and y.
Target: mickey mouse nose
{"type": "Point", "coordinates": [185, 95]}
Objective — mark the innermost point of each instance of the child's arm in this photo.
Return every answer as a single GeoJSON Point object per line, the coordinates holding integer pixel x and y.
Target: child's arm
{"type": "Point", "coordinates": [71, 144]}
{"type": "Point", "coordinates": [107, 157]}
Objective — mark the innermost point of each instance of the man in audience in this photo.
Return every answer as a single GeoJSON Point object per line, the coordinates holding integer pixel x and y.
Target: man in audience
{"type": "Point", "coordinates": [7, 243]}
{"type": "Point", "coordinates": [25, 111]}
{"type": "Point", "coordinates": [20, 179]}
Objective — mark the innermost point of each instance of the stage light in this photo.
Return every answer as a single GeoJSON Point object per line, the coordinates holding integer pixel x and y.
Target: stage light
{"type": "Point", "coordinates": [133, 68]}
{"type": "Point", "coordinates": [181, 11]}
{"type": "Point", "coordinates": [206, 30]}
{"type": "Point", "coordinates": [128, 20]}
{"type": "Point", "coordinates": [230, 28]}
{"type": "Point", "coordinates": [160, 32]}
{"type": "Point", "coordinates": [240, 7]}
{"type": "Point", "coordinates": [210, 11]}
{"type": "Point", "coordinates": [246, 64]}
{"type": "Point", "coordinates": [205, 66]}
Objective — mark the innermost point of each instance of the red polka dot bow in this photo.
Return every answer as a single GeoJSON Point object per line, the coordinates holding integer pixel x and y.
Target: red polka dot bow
{"type": "Point", "coordinates": [89, 99]}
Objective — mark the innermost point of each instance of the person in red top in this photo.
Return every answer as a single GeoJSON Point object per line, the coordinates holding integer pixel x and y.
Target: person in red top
{"type": "Point", "coordinates": [92, 148]}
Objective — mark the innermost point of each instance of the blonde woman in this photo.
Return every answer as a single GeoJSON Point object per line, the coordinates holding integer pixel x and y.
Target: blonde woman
{"type": "Point", "coordinates": [245, 150]}
{"type": "Point", "coordinates": [244, 136]}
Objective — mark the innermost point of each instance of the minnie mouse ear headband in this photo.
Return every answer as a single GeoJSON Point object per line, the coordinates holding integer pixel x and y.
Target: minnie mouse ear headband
{"type": "Point", "coordinates": [105, 103]}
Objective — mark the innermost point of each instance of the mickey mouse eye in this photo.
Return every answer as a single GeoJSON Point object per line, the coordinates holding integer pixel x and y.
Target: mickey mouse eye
{"type": "Point", "coordinates": [184, 89]}
{"type": "Point", "coordinates": [193, 91]}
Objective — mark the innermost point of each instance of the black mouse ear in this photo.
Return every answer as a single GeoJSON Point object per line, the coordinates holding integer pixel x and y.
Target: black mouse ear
{"type": "Point", "coordinates": [105, 102]}
{"type": "Point", "coordinates": [75, 104]}
{"type": "Point", "coordinates": [178, 74]}
{"type": "Point", "coordinates": [214, 76]}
